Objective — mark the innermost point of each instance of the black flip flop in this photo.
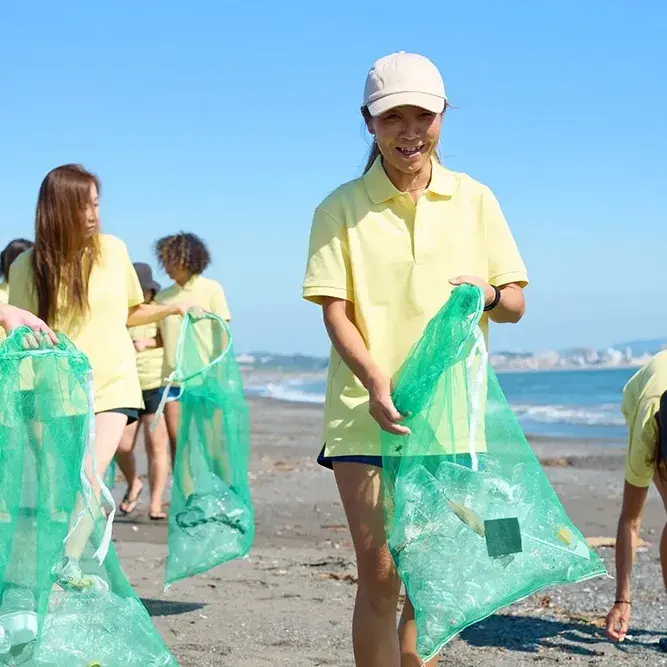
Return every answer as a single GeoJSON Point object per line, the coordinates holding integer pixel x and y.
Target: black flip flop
{"type": "Point", "coordinates": [126, 501]}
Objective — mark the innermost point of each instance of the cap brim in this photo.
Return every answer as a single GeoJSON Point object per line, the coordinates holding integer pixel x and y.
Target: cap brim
{"type": "Point", "coordinates": [152, 286]}
{"type": "Point", "coordinates": [432, 103]}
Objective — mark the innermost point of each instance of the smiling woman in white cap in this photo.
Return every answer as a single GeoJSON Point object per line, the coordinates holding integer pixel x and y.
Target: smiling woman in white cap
{"type": "Point", "coordinates": [386, 251]}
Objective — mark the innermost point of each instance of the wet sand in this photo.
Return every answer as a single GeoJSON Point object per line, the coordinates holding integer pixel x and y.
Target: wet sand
{"type": "Point", "coordinates": [291, 602]}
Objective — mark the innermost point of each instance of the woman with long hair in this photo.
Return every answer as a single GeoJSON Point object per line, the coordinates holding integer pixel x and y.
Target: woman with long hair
{"type": "Point", "coordinates": [386, 251]}
{"type": "Point", "coordinates": [645, 410]}
{"type": "Point", "coordinates": [81, 282]}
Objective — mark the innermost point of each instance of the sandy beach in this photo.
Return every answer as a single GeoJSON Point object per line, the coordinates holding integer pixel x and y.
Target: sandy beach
{"type": "Point", "coordinates": [291, 602]}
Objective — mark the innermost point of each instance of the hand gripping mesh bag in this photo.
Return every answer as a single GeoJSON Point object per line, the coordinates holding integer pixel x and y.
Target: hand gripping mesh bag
{"type": "Point", "coordinates": [64, 601]}
{"type": "Point", "coordinates": [211, 519]}
{"type": "Point", "coordinates": [472, 522]}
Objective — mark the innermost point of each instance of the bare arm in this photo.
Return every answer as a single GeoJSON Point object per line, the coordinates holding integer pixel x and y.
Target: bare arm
{"type": "Point", "coordinates": [349, 343]}
{"type": "Point", "coordinates": [147, 313]}
{"type": "Point", "coordinates": [627, 537]}
{"type": "Point", "coordinates": [147, 344]}
{"type": "Point", "coordinates": [512, 304]}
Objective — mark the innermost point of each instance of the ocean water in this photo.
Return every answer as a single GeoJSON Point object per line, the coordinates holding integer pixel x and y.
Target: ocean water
{"type": "Point", "coordinates": [573, 404]}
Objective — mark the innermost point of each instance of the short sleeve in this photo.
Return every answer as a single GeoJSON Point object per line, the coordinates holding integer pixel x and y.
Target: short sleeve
{"type": "Point", "coordinates": [639, 469]}
{"type": "Point", "coordinates": [219, 302]}
{"type": "Point", "coordinates": [22, 284]}
{"type": "Point", "coordinates": [505, 263]}
{"type": "Point", "coordinates": [328, 271]}
{"type": "Point", "coordinates": [135, 295]}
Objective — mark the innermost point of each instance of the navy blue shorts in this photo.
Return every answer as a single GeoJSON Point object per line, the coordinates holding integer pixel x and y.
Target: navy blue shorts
{"type": "Point", "coordinates": [328, 461]}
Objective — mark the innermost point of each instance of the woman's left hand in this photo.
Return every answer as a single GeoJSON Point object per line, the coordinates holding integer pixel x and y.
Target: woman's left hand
{"type": "Point", "coordinates": [487, 290]}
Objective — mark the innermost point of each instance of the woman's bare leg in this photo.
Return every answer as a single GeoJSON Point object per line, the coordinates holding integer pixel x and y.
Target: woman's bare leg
{"type": "Point", "coordinates": [128, 466]}
{"type": "Point", "coordinates": [109, 427]}
{"type": "Point", "coordinates": [407, 632]}
{"type": "Point", "coordinates": [157, 450]}
{"type": "Point", "coordinates": [172, 414]}
{"type": "Point", "coordinates": [374, 632]}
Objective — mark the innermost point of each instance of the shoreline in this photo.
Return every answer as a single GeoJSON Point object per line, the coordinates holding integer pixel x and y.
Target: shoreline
{"type": "Point", "coordinates": [587, 441]}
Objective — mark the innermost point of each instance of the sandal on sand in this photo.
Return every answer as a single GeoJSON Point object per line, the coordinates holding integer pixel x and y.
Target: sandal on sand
{"type": "Point", "coordinates": [128, 505]}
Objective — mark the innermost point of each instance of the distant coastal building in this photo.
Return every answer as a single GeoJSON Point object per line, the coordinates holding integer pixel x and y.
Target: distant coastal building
{"type": "Point", "coordinates": [618, 356]}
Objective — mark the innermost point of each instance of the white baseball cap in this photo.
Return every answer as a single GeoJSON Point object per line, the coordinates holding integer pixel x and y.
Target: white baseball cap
{"type": "Point", "coordinates": [404, 79]}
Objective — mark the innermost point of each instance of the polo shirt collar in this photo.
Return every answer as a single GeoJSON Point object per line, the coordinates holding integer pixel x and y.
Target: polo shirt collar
{"type": "Point", "coordinates": [380, 189]}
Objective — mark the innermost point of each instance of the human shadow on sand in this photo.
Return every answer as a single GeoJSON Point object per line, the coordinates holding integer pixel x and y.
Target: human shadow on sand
{"type": "Point", "coordinates": [169, 607]}
{"type": "Point", "coordinates": [528, 634]}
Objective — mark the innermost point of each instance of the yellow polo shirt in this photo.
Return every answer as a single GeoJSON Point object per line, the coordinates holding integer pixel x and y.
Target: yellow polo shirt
{"type": "Point", "coordinates": [4, 299]}
{"type": "Point", "coordinates": [149, 362]}
{"type": "Point", "coordinates": [201, 292]}
{"type": "Point", "coordinates": [641, 402]}
{"type": "Point", "coordinates": [371, 245]}
{"type": "Point", "coordinates": [101, 334]}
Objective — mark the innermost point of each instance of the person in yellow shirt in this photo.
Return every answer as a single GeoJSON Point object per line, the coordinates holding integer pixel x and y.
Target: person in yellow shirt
{"type": "Point", "coordinates": [148, 346]}
{"type": "Point", "coordinates": [644, 407]}
{"type": "Point", "coordinates": [386, 250]}
{"type": "Point", "coordinates": [184, 257]}
{"type": "Point", "coordinates": [12, 250]}
{"type": "Point", "coordinates": [81, 282]}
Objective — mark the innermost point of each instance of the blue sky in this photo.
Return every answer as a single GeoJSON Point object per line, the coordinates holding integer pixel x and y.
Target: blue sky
{"type": "Point", "coordinates": [234, 122]}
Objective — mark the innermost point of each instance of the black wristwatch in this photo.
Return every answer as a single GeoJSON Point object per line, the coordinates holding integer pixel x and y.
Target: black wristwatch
{"type": "Point", "coordinates": [496, 299]}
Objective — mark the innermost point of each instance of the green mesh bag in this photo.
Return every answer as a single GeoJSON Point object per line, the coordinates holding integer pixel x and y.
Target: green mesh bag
{"type": "Point", "coordinates": [472, 522]}
{"type": "Point", "coordinates": [211, 519]}
{"type": "Point", "coordinates": [110, 475]}
{"type": "Point", "coordinates": [64, 600]}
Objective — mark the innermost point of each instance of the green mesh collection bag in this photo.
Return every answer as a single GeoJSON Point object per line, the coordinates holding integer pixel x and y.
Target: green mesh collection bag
{"type": "Point", "coordinates": [472, 522]}
{"type": "Point", "coordinates": [65, 601]}
{"type": "Point", "coordinates": [211, 519]}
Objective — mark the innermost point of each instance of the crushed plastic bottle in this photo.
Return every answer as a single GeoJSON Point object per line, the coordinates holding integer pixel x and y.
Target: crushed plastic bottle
{"type": "Point", "coordinates": [471, 520]}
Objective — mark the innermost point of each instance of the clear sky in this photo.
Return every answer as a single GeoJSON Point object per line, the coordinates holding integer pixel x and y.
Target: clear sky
{"type": "Point", "coordinates": [234, 120]}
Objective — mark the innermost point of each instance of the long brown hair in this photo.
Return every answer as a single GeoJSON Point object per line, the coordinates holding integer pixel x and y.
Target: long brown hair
{"type": "Point", "coordinates": [65, 250]}
{"type": "Point", "coordinates": [659, 458]}
{"type": "Point", "coordinates": [374, 152]}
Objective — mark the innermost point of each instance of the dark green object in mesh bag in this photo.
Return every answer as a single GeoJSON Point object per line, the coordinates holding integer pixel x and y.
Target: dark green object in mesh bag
{"type": "Point", "coordinates": [472, 522]}
{"type": "Point", "coordinates": [65, 601]}
{"type": "Point", "coordinates": [211, 519]}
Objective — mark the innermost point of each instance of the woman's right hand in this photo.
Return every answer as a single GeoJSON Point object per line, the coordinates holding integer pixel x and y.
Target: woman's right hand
{"type": "Point", "coordinates": [12, 318]}
{"type": "Point", "coordinates": [382, 407]}
{"type": "Point", "coordinates": [618, 621]}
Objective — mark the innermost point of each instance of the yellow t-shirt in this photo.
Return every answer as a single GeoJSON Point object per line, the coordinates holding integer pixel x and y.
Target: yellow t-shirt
{"type": "Point", "coordinates": [641, 402]}
{"type": "Point", "coordinates": [101, 334]}
{"type": "Point", "coordinates": [370, 244]}
{"type": "Point", "coordinates": [149, 362]}
{"type": "Point", "coordinates": [4, 299]}
{"type": "Point", "coordinates": [203, 292]}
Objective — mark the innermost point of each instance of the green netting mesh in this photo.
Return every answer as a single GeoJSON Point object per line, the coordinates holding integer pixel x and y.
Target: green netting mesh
{"type": "Point", "coordinates": [65, 601]}
{"type": "Point", "coordinates": [211, 520]}
{"type": "Point", "coordinates": [472, 521]}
